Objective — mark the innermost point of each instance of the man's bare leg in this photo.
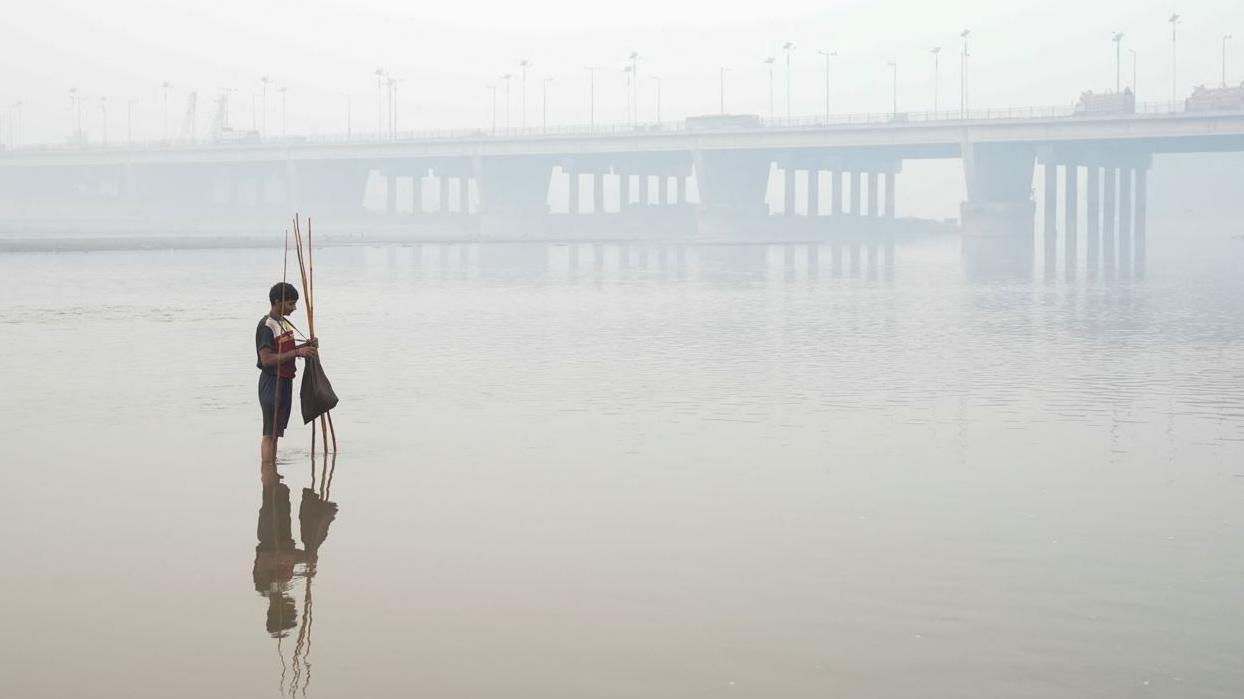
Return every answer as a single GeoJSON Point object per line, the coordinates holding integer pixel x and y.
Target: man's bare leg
{"type": "Point", "coordinates": [267, 449]}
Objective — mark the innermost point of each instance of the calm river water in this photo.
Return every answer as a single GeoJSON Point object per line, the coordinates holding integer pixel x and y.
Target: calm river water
{"type": "Point", "coordinates": [628, 471]}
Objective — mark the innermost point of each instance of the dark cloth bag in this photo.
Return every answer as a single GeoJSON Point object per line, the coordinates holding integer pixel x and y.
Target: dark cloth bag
{"type": "Point", "coordinates": [317, 394]}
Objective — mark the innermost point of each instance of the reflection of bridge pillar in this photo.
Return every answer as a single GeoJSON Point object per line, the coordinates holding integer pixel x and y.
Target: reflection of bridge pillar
{"type": "Point", "coordinates": [889, 194]}
{"type": "Point", "coordinates": [814, 192]}
{"type": "Point", "coordinates": [1142, 203]}
{"type": "Point", "coordinates": [598, 192]}
{"type": "Point", "coordinates": [873, 195]}
{"type": "Point", "coordinates": [1093, 204]}
{"type": "Point", "coordinates": [1109, 213]}
{"type": "Point", "coordinates": [1125, 218]}
{"type": "Point", "coordinates": [857, 196]}
{"type": "Point", "coordinates": [1071, 216]}
{"type": "Point", "coordinates": [836, 185]}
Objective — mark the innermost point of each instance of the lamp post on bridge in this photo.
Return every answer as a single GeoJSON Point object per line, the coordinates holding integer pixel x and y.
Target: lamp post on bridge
{"type": "Point", "coordinates": [894, 72]}
{"type": "Point", "coordinates": [1133, 52]}
{"type": "Point", "coordinates": [788, 47]}
{"type": "Point", "coordinates": [282, 89]}
{"type": "Point", "coordinates": [657, 80]}
{"type": "Point", "coordinates": [76, 116]}
{"type": "Point", "coordinates": [936, 51]}
{"type": "Point", "coordinates": [349, 116]}
{"type": "Point", "coordinates": [634, 58]}
{"type": "Point", "coordinates": [769, 62]}
{"type": "Point", "coordinates": [493, 90]}
{"type": "Point", "coordinates": [1225, 39]}
{"type": "Point", "coordinates": [1174, 20]}
{"type": "Point", "coordinates": [524, 65]}
{"type": "Point", "coordinates": [544, 104]}
{"type": "Point", "coordinates": [165, 86]}
{"type": "Point", "coordinates": [380, 76]}
{"type": "Point", "coordinates": [591, 97]}
{"type": "Point", "coordinates": [828, 55]}
{"type": "Point", "coordinates": [506, 78]}
{"type": "Point", "coordinates": [721, 87]}
{"type": "Point", "coordinates": [263, 102]}
{"type": "Point", "coordinates": [963, 75]}
{"type": "Point", "coordinates": [1118, 61]}
{"type": "Point", "coordinates": [103, 120]}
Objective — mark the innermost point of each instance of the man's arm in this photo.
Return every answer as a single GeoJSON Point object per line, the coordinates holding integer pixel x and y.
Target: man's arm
{"type": "Point", "coordinates": [267, 357]}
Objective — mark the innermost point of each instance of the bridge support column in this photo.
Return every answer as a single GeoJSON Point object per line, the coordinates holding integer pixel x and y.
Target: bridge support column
{"type": "Point", "coordinates": [416, 193]}
{"type": "Point", "coordinates": [1049, 229]}
{"type": "Point", "coordinates": [1108, 219]}
{"type": "Point", "coordinates": [788, 189]}
{"type": "Point", "coordinates": [857, 196]}
{"type": "Point", "coordinates": [574, 204]}
{"type": "Point", "coordinates": [645, 186]}
{"type": "Point", "coordinates": [513, 194]}
{"type": "Point", "coordinates": [390, 194]}
{"type": "Point", "coordinates": [873, 197]}
{"type": "Point", "coordinates": [814, 193]}
{"type": "Point", "coordinates": [836, 187]}
{"type": "Point", "coordinates": [598, 192]}
{"type": "Point", "coordinates": [1071, 216]}
{"type": "Point", "coordinates": [997, 219]}
{"type": "Point", "coordinates": [1093, 204]}
{"type": "Point", "coordinates": [889, 194]}
{"type": "Point", "coordinates": [663, 189]}
{"type": "Point", "coordinates": [678, 193]}
{"type": "Point", "coordinates": [1125, 219]}
{"type": "Point", "coordinates": [443, 181]}
{"type": "Point", "coordinates": [464, 195]}
{"type": "Point", "coordinates": [732, 189]}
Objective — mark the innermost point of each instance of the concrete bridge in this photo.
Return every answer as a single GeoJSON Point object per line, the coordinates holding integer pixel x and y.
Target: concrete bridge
{"type": "Point", "coordinates": [708, 175]}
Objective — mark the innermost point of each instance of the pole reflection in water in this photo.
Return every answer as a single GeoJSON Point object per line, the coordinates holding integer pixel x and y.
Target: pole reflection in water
{"type": "Point", "coordinates": [279, 561]}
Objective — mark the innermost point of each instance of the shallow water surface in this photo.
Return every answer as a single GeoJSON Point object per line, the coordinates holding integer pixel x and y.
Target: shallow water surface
{"type": "Point", "coordinates": [628, 471]}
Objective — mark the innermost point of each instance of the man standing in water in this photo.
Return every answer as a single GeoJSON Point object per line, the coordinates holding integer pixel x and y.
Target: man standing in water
{"type": "Point", "coordinates": [274, 345]}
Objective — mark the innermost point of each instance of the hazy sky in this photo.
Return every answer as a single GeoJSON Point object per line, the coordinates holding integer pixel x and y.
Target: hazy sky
{"type": "Point", "coordinates": [1031, 54]}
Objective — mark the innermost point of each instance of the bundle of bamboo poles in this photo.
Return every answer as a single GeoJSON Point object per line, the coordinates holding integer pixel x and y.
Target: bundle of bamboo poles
{"type": "Point", "coordinates": [306, 269]}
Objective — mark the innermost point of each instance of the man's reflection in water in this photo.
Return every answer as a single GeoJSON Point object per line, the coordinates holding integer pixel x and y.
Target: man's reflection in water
{"type": "Point", "coordinates": [278, 561]}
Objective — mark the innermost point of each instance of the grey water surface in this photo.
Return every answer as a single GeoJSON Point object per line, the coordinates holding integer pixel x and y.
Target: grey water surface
{"type": "Point", "coordinates": [641, 470]}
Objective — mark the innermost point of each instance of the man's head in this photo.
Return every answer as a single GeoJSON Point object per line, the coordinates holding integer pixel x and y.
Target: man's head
{"type": "Point", "coordinates": [284, 298]}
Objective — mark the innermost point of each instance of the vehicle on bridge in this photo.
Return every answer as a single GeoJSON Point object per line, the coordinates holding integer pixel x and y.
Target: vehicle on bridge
{"type": "Point", "coordinates": [723, 122]}
{"type": "Point", "coordinates": [1212, 99]}
{"type": "Point", "coordinates": [1106, 102]}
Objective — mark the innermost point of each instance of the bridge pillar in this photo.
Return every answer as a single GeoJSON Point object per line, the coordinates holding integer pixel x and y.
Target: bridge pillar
{"type": "Point", "coordinates": [574, 203]}
{"type": "Point", "coordinates": [390, 194]}
{"type": "Point", "coordinates": [678, 193]}
{"type": "Point", "coordinates": [857, 196]}
{"type": "Point", "coordinates": [889, 194]}
{"type": "Point", "coordinates": [464, 195]}
{"type": "Point", "coordinates": [732, 189]}
{"type": "Point", "coordinates": [837, 185]}
{"type": "Point", "coordinates": [788, 190]}
{"type": "Point", "coordinates": [598, 192]}
{"type": "Point", "coordinates": [997, 218]}
{"type": "Point", "coordinates": [1049, 235]}
{"type": "Point", "coordinates": [1109, 217]}
{"type": "Point", "coordinates": [1071, 216]}
{"type": "Point", "coordinates": [1125, 219]}
{"type": "Point", "coordinates": [814, 193]}
{"type": "Point", "coordinates": [645, 187]}
{"type": "Point", "coordinates": [624, 191]}
{"type": "Point", "coordinates": [513, 194]}
{"type": "Point", "coordinates": [873, 195]}
{"type": "Point", "coordinates": [663, 189]}
{"type": "Point", "coordinates": [416, 193]}
{"type": "Point", "coordinates": [443, 181]}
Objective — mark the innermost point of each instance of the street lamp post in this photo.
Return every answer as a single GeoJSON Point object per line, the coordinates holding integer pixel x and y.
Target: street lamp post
{"type": "Point", "coordinates": [634, 58]}
{"type": "Point", "coordinates": [544, 104]}
{"type": "Point", "coordinates": [282, 89]}
{"type": "Point", "coordinates": [828, 55]}
{"type": "Point", "coordinates": [657, 80]}
{"type": "Point", "coordinates": [721, 87]}
{"type": "Point", "coordinates": [1133, 52]}
{"type": "Point", "coordinates": [937, 52]}
{"type": "Point", "coordinates": [524, 65]}
{"type": "Point", "coordinates": [493, 90]}
{"type": "Point", "coordinates": [630, 84]}
{"type": "Point", "coordinates": [591, 97]}
{"type": "Point", "coordinates": [1225, 39]}
{"type": "Point", "coordinates": [165, 86]}
{"type": "Point", "coordinates": [129, 121]}
{"type": "Point", "coordinates": [76, 116]}
{"type": "Point", "coordinates": [380, 75]}
{"type": "Point", "coordinates": [769, 62]}
{"type": "Point", "coordinates": [103, 120]}
{"type": "Point", "coordinates": [894, 83]}
{"type": "Point", "coordinates": [788, 47]}
{"type": "Point", "coordinates": [349, 116]}
{"type": "Point", "coordinates": [1174, 20]}
{"type": "Point", "coordinates": [263, 102]}
{"type": "Point", "coordinates": [506, 78]}
{"type": "Point", "coordinates": [1118, 61]}
{"type": "Point", "coordinates": [963, 75]}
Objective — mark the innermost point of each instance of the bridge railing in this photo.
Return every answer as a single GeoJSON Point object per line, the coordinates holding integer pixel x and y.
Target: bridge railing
{"type": "Point", "coordinates": [248, 140]}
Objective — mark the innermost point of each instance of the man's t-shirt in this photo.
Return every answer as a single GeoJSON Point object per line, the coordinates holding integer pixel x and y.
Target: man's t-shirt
{"type": "Point", "coordinates": [279, 336]}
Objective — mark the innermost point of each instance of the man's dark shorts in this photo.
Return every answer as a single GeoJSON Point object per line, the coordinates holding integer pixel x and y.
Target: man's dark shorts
{"type": "Point", "coordinates": [267, 401]}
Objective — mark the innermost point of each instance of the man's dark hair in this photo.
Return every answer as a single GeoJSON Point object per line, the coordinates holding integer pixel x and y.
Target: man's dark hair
{"type": "Point", "coordinates": [282, 290]}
